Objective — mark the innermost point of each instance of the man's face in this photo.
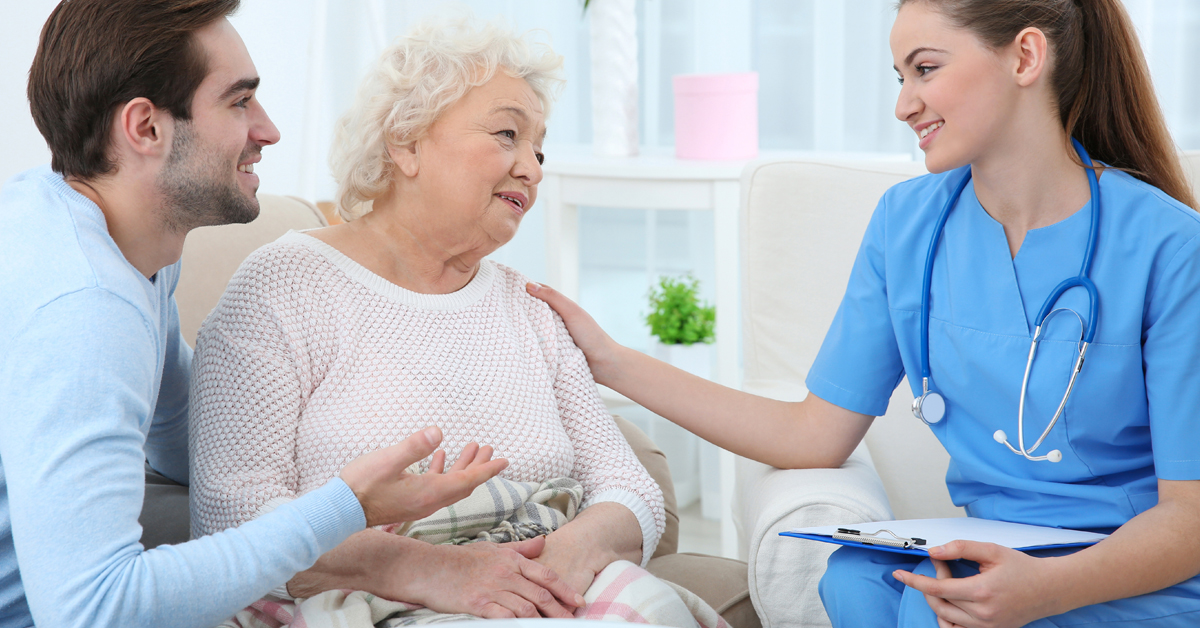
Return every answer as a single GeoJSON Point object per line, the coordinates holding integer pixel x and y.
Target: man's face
{"type": "Point", "coordinates": [209, 175]}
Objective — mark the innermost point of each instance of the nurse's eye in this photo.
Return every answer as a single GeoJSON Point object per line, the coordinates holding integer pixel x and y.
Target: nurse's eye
{"type": "Point", "coordinates": [921, 70]}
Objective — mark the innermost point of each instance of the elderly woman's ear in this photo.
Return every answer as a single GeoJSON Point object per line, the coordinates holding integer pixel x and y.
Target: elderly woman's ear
{"type": "Point", "coordinates": [407, 158]}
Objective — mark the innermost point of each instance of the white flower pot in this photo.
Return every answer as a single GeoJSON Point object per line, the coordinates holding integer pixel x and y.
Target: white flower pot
{"type": "Point", "coordinates": [613, 25]}
{"type": "Point", "coordinates": [697, 360]}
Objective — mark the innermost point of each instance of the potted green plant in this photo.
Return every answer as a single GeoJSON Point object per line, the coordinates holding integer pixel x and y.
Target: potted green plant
{"type": "Point", "coordinates": [682, 325]}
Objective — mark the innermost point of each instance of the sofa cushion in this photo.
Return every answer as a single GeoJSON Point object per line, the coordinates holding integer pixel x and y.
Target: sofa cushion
{"type": "Point", "coordinates": [655, 462]}
{"type": "Point", "coordinates": [719, 581]}
{"type": "Point", "coordinates": [212, 254]}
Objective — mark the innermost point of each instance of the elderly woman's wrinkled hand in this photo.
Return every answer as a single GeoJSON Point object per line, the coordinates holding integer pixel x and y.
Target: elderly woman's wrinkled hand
{"type": "Point", "coordinates": [389, 493]}
{"type": "Point", "coordinates": [494, 581]}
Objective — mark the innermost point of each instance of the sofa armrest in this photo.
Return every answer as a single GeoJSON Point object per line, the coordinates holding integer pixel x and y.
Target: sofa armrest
{"type": "Point", "coordinates": [784, 571]}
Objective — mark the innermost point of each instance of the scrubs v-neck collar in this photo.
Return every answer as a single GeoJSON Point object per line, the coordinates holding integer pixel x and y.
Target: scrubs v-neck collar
{"type": "Point", "coordinates": [1047, 256]}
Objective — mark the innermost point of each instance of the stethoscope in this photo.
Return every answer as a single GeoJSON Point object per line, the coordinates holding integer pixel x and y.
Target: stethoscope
{"type": "Point", "coordinates": [930, 407]}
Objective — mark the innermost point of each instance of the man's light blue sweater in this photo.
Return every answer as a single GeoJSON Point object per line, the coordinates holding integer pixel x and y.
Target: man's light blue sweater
{"type": "Point", "coordinates": [93, 382]}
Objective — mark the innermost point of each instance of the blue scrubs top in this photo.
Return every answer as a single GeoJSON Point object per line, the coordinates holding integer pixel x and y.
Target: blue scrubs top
{"type": "Point", "coordinates": [1134, 416]}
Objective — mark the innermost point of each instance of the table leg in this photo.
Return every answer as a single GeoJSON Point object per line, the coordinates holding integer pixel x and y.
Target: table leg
{"type": "Point", "coordinates": [726, 203]}
{"type": "Point", "coordinates": [562, 238]}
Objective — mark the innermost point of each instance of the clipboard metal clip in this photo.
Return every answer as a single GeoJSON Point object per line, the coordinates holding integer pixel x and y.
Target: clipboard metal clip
{"type": "Point", "coordinates": [874, 538]}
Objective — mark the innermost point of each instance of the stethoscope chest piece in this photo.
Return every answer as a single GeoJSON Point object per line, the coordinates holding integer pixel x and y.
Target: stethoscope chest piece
{"type": "Point", "coordinates": [930, 407]}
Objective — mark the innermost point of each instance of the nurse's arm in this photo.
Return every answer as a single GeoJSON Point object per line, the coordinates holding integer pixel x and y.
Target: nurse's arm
{"type": "Point", "coordinates": [798, 435]}
{"type": "Point", "coordinates": [1153, 551]}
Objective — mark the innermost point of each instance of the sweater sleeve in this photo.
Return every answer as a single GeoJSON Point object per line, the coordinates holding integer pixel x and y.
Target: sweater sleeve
{"type": "Point", "coordinates": [246, 405]}
{"type": "Point", "coordinates": [73, 415]}
{"type": "Point", "coordinates": [604, 462]}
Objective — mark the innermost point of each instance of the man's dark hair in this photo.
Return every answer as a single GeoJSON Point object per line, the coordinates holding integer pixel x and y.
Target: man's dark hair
{"type": "Point", "coordinates": [95, 55]}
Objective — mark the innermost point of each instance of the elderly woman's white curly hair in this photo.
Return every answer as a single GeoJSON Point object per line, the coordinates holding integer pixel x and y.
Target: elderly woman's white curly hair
{"type": "Point", "coordinates": [413, 82]}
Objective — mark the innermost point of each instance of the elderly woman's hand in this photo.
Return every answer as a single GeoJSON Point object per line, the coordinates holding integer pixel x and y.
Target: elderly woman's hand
{"type": "Point", "coordinates": [490, 581]}
{"type": "Point", "coordinates": [600, 535]}
{"type": "Point", "coordinates": [578, 564]}
{"type": "Point", "coordinates": [601, 350]}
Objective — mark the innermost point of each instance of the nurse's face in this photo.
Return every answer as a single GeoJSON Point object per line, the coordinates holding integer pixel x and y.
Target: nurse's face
{"type": "Point", "coordinates": [957, 95]}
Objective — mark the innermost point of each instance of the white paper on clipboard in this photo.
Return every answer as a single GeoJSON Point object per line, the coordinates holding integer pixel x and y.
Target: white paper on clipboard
{"type": "Point", "coordinates": [941, 531]}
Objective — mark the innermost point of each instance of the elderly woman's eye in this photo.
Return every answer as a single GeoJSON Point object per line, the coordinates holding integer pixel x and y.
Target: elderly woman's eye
{"type": "Point", "coordinates": [512, 135]}
{"type": "Point", "coordinates": [541, 159]}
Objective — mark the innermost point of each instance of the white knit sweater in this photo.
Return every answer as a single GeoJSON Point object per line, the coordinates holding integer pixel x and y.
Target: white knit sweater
{"type": "Point", "coordinates": [311, 360]}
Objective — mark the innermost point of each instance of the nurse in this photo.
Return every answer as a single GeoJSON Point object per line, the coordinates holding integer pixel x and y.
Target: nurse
{"type": "Point", "coordinates": [998, 90]}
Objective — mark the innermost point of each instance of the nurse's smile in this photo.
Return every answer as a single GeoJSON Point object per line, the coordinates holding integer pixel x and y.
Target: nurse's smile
{"type": "Point", "coordinates": [927, 130]}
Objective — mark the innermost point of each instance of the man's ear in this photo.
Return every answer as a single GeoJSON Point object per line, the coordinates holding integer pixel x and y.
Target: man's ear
{"type": "Point", "coordinates": [143, 129]}
{"type": "Point", "coordinates": [407, 158]}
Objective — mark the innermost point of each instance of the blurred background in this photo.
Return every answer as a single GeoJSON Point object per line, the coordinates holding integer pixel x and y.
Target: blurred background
{"type": "Point", "coordinates": [825, 84]}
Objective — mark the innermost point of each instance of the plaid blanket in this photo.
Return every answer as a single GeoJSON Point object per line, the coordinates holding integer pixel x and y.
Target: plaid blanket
{"type": "Point", "coordinates": [499, 511]}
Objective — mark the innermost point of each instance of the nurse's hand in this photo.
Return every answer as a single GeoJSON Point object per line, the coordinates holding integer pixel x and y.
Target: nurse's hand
{"type": "Point", "coordinates": [599, 348]}
{"type": "Point", "coordinates": [1008, 592]}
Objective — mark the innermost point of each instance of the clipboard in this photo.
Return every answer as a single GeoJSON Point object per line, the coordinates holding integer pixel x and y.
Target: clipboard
{"type": "Point", "coordinates": [916, 536]}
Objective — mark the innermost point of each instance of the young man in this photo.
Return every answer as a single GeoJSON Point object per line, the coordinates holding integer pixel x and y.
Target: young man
{"type": "Point", "coordinates": [148, 107]}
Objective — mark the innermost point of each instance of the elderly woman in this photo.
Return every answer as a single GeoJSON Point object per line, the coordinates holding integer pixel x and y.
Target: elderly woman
{"type": "Point", "coordinates": [338, 341]}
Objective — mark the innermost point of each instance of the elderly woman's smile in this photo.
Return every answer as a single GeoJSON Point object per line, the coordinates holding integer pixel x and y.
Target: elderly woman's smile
{"type": "Point", "coordinates": [516, 199]}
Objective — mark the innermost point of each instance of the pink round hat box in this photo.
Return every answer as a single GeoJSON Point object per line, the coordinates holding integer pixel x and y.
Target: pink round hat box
{"type": "Point", "coordinates": [716, 116]}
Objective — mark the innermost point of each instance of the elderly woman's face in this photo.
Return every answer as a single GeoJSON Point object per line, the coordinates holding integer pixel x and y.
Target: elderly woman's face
{"type": "Point", "coordinates": [480, 164]}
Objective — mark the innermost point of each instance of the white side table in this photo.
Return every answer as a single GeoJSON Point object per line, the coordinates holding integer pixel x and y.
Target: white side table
{"type": "Point", "coordinates": [575, 177]}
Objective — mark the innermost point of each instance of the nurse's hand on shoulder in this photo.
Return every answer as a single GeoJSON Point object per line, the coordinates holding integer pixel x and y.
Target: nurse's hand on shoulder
{"type": "Point", "coordinates": [600, 349]}
{"type": "Point", "coordinates": [1008, 592]}
{"type": "Point", "coordinates": [389, 493]}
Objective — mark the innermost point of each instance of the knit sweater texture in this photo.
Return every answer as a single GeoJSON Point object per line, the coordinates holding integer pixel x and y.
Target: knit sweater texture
{"type": "Point", "coordinates": [93, 383]}
{"type": "Point", "coordinates": [311, 360]}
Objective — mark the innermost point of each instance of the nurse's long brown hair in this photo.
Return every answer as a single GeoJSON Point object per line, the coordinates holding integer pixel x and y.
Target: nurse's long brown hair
{"type": "Point", "coordinates": [1100, 79]}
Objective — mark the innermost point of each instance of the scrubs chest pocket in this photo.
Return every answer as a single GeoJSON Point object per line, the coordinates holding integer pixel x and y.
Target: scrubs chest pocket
{"type": "Point", "coordinates": [1104, 423]}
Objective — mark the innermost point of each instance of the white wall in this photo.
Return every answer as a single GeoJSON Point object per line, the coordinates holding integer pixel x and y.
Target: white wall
{"type": "Point", "coordinates": [20, 26]}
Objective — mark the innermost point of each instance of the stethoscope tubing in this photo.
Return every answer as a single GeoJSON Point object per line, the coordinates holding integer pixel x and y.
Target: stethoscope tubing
{"type": "Point", "coordinates": [1082, 280]}
{"type": "Point", "coordinates": [927, 280]}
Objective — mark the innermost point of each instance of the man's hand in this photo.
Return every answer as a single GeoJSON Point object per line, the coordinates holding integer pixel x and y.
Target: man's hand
{"type": "Point", "coordinates": [492, 581]}
{"type": "Point", "coordinates": [1008, 592]}
{"type": "Point", "coordinates": [390, 494]}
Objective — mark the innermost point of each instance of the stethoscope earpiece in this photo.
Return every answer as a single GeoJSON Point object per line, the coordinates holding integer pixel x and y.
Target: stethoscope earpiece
{"type": "Point", "coordinates": [1053, 456]}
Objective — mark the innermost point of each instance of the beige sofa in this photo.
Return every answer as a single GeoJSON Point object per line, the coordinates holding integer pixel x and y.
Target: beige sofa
{"type": "Point", "coordinates": [211, 255]}
{"type": "Point", "coordinates": [801, 223]}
